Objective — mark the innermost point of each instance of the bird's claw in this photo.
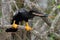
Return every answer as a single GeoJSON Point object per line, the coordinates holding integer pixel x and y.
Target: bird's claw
{"type": "Point", "coordinates": [14, 25]}
{"type": "Point", "coordinates": [27, 28]}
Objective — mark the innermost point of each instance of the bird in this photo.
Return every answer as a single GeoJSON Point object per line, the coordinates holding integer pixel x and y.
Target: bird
{"type": "Point", "coordinates": [24, 15]}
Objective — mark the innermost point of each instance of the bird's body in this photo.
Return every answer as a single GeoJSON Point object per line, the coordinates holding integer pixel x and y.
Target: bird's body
{"type": "Point", "coordinates": [22, 15]}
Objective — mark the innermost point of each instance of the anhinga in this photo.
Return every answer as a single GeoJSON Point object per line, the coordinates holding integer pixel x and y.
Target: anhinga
{"type": "Point", "coordinates": [25, 15]}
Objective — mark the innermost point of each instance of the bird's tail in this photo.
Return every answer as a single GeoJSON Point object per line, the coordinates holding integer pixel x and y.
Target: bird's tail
{"type": "Point", "coordinates": [11, 30]}
{"type": "Point", "coordinates": [40, 14]}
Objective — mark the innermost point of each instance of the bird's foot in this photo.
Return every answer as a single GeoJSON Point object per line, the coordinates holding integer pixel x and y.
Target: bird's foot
{"type": "Point", "coordinates": [14, 25]}
{"type": "Point", "coordinates": [27, 27]}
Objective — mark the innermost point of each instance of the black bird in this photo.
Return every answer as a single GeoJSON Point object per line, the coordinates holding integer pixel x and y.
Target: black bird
{"type": "Point", "coordinates": [25, 15]}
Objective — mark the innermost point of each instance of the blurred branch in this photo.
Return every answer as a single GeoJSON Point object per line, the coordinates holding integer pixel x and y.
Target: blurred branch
{"type": "Point", "coordinates": [9, 26]}
{"type": "Point", "coordinates": [18, 36]}
{"type": "Point", "coordinates": [54, 22]}
{"type": "Point", "coordinates": [52, 11]}
{"type": "Point", "coordinates": [57, 35]}
{"type": "Point", "coordinates": [48, 21]}
{"type": "Point", "coordinates": [15, 5]}
{"type": "Point", "coordinates": [36, 33]}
